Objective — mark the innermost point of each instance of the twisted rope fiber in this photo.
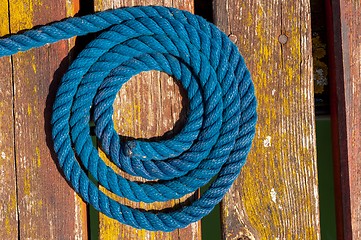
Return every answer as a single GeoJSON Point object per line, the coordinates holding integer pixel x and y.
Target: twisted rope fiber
{"type": "Point", "coordinates": [215, 140]}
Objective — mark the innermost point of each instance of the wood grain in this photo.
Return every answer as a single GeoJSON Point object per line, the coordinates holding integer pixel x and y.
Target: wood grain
{"type": "Point", "coordinates": [47, 207]}
{"type": "Point", "coordinates": [345, 72]}
{"type": "Point", "coordinates": [147, 106]}
{"type": "Point", "coordinates": [276, 195]}
{"type": "Point", "coordinates": [8, 203]}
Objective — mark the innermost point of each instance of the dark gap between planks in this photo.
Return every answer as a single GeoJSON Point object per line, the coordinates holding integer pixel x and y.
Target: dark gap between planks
{"type": "Point", "coordinates": [87, 7]}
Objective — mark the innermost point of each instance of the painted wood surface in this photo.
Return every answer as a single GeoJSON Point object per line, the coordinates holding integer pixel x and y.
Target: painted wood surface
{"type": "Point", "coordinates": [276, 195]}
{"type": "Point", "coordinates": [345, 71]}
{"type": "Point", "coordinates": [147, 106]}
{"type": "Point", "coordinates": [43, 205]}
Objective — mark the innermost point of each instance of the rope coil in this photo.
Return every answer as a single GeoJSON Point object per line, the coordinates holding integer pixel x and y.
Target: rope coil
{"type": "Point", "coordinates": [214, 141]}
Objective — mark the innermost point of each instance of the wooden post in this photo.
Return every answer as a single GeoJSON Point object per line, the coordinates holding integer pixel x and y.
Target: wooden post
{"type": "Point", "coordinates": [147, 106]}
{"type": "Point", "coordinates": [345, 78]}
{"type": "Point", "coordinates": [276, 195]}
{"type": "Point", "coordinates": [47, 207]}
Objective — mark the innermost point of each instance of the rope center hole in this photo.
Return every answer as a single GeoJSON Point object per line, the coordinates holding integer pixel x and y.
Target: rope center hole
{"type": "Point", "coordinates": [151, 104]}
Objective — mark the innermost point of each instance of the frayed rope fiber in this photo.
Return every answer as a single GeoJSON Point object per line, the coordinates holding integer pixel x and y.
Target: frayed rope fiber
{"type": "Point", "coordinates": [214, 141]}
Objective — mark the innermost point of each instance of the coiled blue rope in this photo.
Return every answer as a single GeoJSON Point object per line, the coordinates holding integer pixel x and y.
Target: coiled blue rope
{"type": "Point", "coordinates": [220, 123]}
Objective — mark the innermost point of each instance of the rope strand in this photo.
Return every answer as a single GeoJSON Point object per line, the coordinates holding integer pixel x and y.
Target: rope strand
{"type": "Point", "coordinates": [214, 141]}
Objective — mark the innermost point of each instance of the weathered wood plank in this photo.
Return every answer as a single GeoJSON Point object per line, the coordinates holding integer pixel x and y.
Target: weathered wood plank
{"type": "Point", "coordinates": [345, 78]}
{"type": "Point", "coordinates": [276, 195]}
{"type": "Point", "coordinates": [147, 106]}
{"type": "Point", "coordinates": [48, 207]}
{"type": "Point", "coordinates": [8, 207]}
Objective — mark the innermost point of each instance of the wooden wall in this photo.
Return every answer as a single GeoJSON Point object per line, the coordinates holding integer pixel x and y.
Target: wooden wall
{"type": "Point", "coordinates": [276, 195]}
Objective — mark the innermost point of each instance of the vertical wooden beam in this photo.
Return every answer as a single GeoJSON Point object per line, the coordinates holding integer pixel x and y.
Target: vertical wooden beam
{"type": "Point", "coordinates": [8, 207]}
{"type": "Point", "coordinates": [276, 195]}
{"type": "Point", "coordinates": [48, 207]}
{"type": "Point", "coordinates": [147, 106]}
{"type": "Point", "coordinates": [345, 78]}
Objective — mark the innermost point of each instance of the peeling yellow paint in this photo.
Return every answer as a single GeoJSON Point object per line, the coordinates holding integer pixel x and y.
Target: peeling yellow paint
{"type": "Point", "coordinates": [33, 63]}
{"type": "Point", "coordinates": [37, 151]}
{"type": "Point", "coordinates": [4, 26]}
{"type": "Point", "coordinates": [109, 230]}
{"type": "Point", "coordinates": [249, 18]}
{"type": "Point", "coordinates": [29, 109]}
{"type": "Point", "coordinates": [27, 186]}
{"type": "Point", "coordinates": [13, 202]}
{"type": "Point", "coordinates": [21, 15]}
{"type": "Point", "coordinates": [8, 214]}
{"type": "Point", "coordinates": [8, 227]}
{"type": "Point", "coordinates": [40, 204]}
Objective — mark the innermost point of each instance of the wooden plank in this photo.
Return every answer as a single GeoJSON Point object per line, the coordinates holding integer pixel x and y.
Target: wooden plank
{"type": "Point", "coordinates": [148, 105]}
{"type": "Point", "coordinates": [8, 207]}
{"type": "Point", "coordinates": [276, 195]}
{"type": "Point", "coordinates": [345, 75]}
{"type": "Point", "coordinates": [48, 207]}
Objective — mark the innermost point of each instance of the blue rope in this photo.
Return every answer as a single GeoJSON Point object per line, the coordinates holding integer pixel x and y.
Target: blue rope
{"type": "Point", "coordinates": [215, 140]}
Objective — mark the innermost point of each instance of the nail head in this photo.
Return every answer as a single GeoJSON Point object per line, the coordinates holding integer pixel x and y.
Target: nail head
{"type": "Point", "coordinates": [283, 39]}
{"type": "Point", "coordinates": [233, 38]}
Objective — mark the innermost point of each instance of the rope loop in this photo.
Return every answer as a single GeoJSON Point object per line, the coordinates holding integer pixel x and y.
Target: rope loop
{"type": "Point", "coordinates": [213, 143]}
